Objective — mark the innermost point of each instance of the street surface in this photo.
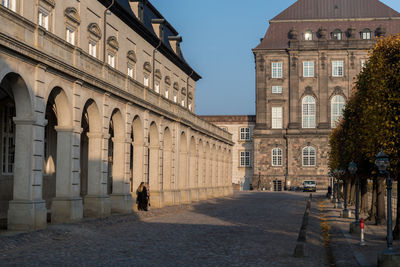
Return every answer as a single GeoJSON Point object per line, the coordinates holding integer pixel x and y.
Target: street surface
{"type": "Point", "coordinates": [247, 229]}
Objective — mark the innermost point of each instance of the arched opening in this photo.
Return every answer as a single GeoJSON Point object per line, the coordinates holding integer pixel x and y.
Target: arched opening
{"type": "Point", "coordinates": [214, 170]}
{"type": "Point", "coordinates": [183, 162]}
{"type": "Point", "coordinates": [208, 175]}
{"type": "Point", "coordinates": [155, 181]}
{"type": "Point", "coordinates": [136, 160]}
{"type": "Point", "coordinates": [220, 171]}
{"type": "Point", "coordinates": [201, 171]}
{"type": "Point", "coordinates": [168, 184]}
{"type": "Point", "coordinates": [193, 178]}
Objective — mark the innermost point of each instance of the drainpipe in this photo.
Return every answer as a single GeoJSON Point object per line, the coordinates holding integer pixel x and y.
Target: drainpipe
{"type": "Point", "coordinates": [105, 30]}
{"type": "Point", "coordinates": [154, 60]}
{"type": "Point", "coordinates": [187, 89]}
{"type": "Point", "coordinates": [287, 159]}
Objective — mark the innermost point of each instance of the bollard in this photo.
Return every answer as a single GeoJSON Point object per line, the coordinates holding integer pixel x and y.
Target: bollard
{"type": "Point", "coordinates": [362, 225]}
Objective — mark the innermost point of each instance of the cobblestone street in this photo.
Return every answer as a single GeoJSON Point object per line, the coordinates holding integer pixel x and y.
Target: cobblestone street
{"type": "Point", "coordinates": [247, 229]}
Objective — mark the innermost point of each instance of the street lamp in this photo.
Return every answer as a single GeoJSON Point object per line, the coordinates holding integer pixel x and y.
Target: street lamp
{"type": "Point", "coordinates": [353, 171]}
{"type": "Point", "coordinates": [382, 162]}
{"type": "Point", "coordinates": [330, 183]}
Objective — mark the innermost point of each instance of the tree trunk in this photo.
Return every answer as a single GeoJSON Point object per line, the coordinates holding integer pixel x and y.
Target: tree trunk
{"type": "Point", "coordinates": [380, 201]}
{"type": "Point", "coordinates": [396, 232]}
{"type": "Point", "coordinates": [352, 198]}
{"type": "Point", "coordinates": [372, 213]}
{"type": "Point", "coordinates": [364, 197]}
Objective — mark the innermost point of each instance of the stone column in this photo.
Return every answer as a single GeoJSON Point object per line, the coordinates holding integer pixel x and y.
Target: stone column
{"type": "Point", "coordinates": [96, 202]}
{"type": "Point", "coordinates": [27, 210]}
{"type": "Point", "coordinates": [155, 181]}
{"type": "Point", "coordinates": [121, 199]}
{"type": "Point", "coordinates": [67, 205]}
{"type": "Point", "coordinates": [183, 178]}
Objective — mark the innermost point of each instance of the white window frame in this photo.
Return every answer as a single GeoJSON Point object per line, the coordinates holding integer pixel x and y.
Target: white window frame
{"type": "Point", "coordinates": [277, 89]}
{"type": "Point", "coordinates": [308, 112]}
{"type": "Point", "coordinates": [366, 35]}
{"type": "Point", "coordinates": [276, 69]}
{"type": "Point", "coordinates": [146, 80]}
{"type": "Point", "coordinates": [93, 48]}
{"type": "Point", "coordinates": [277, 158]}
{"type": "Point", "coordinates": [175, 96]}
{"type": "Point", "coordinates": [183, 102]}
{"type": "Point", "coordinates": [10, 4]}
{"type": "Point", "coordinates": [244, 133]}
{"type": "Point", "coordinates": [70, 35]}
{"type": "Point", "coordinates": [245, 159]}
{"type": "Point", "coordinates": [8, 141]}
{"type": "Point", "coordinates": [309, 156]}
{"type": "Point", "coordinates": [166, 93]}
{"type": "Point", "coordinates": [157, 87]}
{"type": "Point", "coordinates": [363, 63]}
{"type": "Point", "coordinates": [308, 68]}
{"type": "Point", "coordinates": [111, 59]}
{"type": "Point", "coordinates": [308, 36]}
{"type": "Point", "coordinates": [337, 106]}
{"type": "Point", "coordinates": [277, 117]}
{"type": "Point", "coordinates": [337, 68]}
{"type": "Point", "coordinates": [337, 35]}
{"type": "Point", "coordinates": [43, 18]}
{"type": "Point", "coordinates": [130, 70]}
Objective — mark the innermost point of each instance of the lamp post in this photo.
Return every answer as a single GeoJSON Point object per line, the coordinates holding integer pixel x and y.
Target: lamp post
{"type": "Point", "coordinates": [330, 182]}
{"type": "Point", "coordinates": [354, 227]}
{"type": "Point", "coordinates": [382, 162]}
{"type": "Point", "coordinates": [345, 212]}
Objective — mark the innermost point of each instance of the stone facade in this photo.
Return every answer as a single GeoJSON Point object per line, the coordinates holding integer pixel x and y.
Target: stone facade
{"type": "Point", "coordinates": [242, 174]}
{"type": "Point", "coordinates": [95, 98]}
{"type": "Point", "coordinates": [305, 68]}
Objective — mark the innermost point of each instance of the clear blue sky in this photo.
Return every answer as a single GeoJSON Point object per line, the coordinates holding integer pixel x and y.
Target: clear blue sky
{"type": "Point", "coordinates": [218, 36]}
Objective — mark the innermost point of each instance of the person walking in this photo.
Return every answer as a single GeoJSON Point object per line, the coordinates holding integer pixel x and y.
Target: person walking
{"type": "Point", "coordinates": [141, 197]}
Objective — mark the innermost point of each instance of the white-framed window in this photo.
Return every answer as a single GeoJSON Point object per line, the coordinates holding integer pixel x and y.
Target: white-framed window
{"type": "Point", "coordinates": [363, 63]}
{"type": "Point", "coordinates": [337, 106]}
{"type": "Point", "coordinates": [337, 68]}
{"type": "Point", "coordinates": [8, 142]}
{"type": "Point", "coordinates": [111, 59]}
{"type": "Point", "coordinates": [244, 133]}
{"type": "Point", "coordinates": [276, 157]}
{"type": "Point", "coordinates": [175, 96]}
{"type": "Point", "coordinates": [130, 70]}
{"type": "Point", "coordinates": [244, 158]}
{"type": "Point", "coordinates": [157, 87]}
{"type": "Point", "coordinates": [43, 18]}
{"type": "Point", "coordinates": [146, 80]}
{"type": "Point", "coordinates": [366, 34]}
{"type": "Point", "coordinates": [276, 70]}
{"type": "Point", "coordinates": [309, 156]}
{"type": "Point", "coordinates": [183, 102]}
{"type": "Point", "coordinates": [308, 112]}
{"type": "Point", "coordinates": [337, 34]}
{"type": "Point", "coordinates": [308, 68]}
{"type": "Point", "coordinates": [277, 117]}
{"type": "Point", "coordinates": [70, 35]}
{"type": "Point", "coordinates": [11, 4]}
{"type": "Point", "coordinates": [277, 89]}
{"type": "Point", "coordinates": [308, 36]}
{"type": "Point", "coordinates": [92, 48]}
{"type": "Point", "coordinates": [190, 106]}
{"type": "Point", "coordinates": [166, 93]}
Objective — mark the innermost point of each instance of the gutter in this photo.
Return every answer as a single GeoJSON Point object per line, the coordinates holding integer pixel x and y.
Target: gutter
{"type": "Point", "coordinates": [154, 60]}
{"type": "Point", "coordinates": [187, 89]}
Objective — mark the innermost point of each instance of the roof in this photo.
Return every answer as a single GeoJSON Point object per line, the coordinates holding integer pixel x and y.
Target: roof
{"type": "Point", "coordinates": [229, 118]}
{"type": "Point", "coordinates": [311, 15]}
{"type": "Point", "coordinates": [334, 9]}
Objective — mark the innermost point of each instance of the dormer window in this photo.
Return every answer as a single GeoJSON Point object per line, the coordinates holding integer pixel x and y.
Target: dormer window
{"type": "Point", "coordinates": [308, 36]}
{"type": "Point", "coordinates": [366, 34]}
{"type": "Point", "coordinates": [337, 34]}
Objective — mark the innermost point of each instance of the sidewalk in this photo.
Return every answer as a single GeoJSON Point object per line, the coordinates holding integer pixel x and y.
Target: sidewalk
{"type": "Point", "coordinates": [346, 247]}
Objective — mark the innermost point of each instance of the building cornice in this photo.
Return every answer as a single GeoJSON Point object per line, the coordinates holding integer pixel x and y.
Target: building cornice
{"type": "Point", "coordinates": [333, 20]}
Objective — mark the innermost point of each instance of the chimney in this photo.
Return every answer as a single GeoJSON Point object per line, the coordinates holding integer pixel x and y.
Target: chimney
{"type": "Point", "coordinates": [175, 42]}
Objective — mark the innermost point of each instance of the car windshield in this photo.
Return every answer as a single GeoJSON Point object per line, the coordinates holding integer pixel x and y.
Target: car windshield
{"type": "Point", "coordinates": [309, 182]}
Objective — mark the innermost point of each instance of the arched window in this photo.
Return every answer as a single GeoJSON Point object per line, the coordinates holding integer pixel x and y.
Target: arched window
{"type": "Point", "coordinates": [366, 34]}
{"type": "Point", "coordinates": [337, 105]}
{"type": "Point", "coordinates": [276, 157]}
{"type": "Point", "coordinates": [309, 156]}
{"type": "Point", "coordinates": [308, 36]}
{"type": "Point", "coordinates": [337, 34]}
{"type": "Point", "coordinates": [308, 112]}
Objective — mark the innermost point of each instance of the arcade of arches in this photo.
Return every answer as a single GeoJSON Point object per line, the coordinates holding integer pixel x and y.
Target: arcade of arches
{"type": "Point", "coordinates": [70, 151]}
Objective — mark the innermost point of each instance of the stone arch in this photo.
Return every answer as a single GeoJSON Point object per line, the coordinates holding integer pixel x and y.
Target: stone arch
{"type": "Point", "coordinates": [168, 184]}
{"type": "Point", "coordinates": [137, 153]}
{"type": "Point", "coordinates": [153, 158]}
{"type": "Point", "coordinates": [183, 162]}
{"type": "Point", "coordinates": [220, 169]}
{"type": "Point", "coordinates": [214, 168]}
{"type": "Point", "coordinates": [208, 175]}
{"type": "Point", "coordinates": [193, 178]}
{"type": "Point", "coordinates": [201, 170]}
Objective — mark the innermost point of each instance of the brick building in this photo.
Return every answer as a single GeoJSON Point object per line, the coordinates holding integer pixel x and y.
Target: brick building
{"type": "Point", "coordinates": [305, 68]}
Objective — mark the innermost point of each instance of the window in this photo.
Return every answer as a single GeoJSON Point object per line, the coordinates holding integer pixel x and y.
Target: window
{"type": "Point", "coordinates": [92, 49]}
{"type": "Point", "coordinates": [337, 34]}
{"type": "Point", "coordinates": [308, 112]}
{"type": "Point", "coordinates": [308, 36]}
{"type": "Point", "coordinates": [309, 156]}
{"type": "Point", "coordinates": [190, 105]}
{"type": "Point", "coordinates": [166, 92]}
{"type": "Point", "coordinates": [366, 34]}
{"type": "Point", "coordinates": [70, 35]}
{"type": "Point", "coordinates": [11, 4]}
{"type": "Point", "coordinates": [157, 87]}
{"type": "Point", "coordinates": [276, 117]}
{"type": "Point", "coordinates": [175, 96]}
{"type": "Point", "coordinates": [363, 63]}
{"type": "Point", "coordinates": [43, 19]}
{"type": "Point", "coordinates": [8, 143]}
{"type": "Point", "coordinates": [130, 70]}
{"type": "Point", "coordinates": [277, 89]}
{"type": "Point", "coordinates": [183, 102]}
{"type": "Point", "coordinates": [244, 159]}
{"type": "Point", "coordinates": [244, 133]}
{"type": "Point", "coordinates": [337, 106]}
{"type": "Point", "coordinates": [308, 69]}
{"type": "Point", "coordinates": [337, 68]}
{"type": "Point", "coordinates": [111, 59]}
{"type": "Point", "coordinates": [276, 157]}
{"type": "Point", "coordinates": [146, 80]}
{"type": "Point", "coordinates": [276, 69]}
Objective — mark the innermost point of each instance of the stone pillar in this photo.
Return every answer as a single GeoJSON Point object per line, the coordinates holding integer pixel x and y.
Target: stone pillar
{"type": "Point", "coordinates": [27, 210]}
{"type": "Point", "coordinates": [67, 205]}
{"type": "Point", "coordinates": [183, 180]}
{"type": "Point", "coordinates": [96, 202]}
{"type": "Point", "coordinates": [155, 180]}
{"type": "Point", "coordinates": [121, 199]}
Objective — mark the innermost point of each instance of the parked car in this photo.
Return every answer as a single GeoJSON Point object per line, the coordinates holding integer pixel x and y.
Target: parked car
{"type": "Point", "coordinates": [309, 186]}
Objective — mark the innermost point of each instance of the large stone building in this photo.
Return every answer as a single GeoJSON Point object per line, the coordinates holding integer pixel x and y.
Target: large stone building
{"type": "Point", "coordinates": [96, 97]}
{"type": "Point", "coordinates": [242, 130]}
{"type": "Point", "coordinates": [305, 69]}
